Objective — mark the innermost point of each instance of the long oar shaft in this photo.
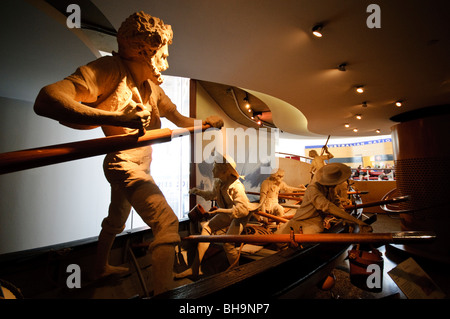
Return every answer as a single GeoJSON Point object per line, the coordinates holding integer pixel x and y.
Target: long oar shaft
{"type": "Point", "coordinates": [37, 157]}
{"type": "Point", "coordinates": [398, 237]}
{"type": "Point", "coordinates": [378, 203]}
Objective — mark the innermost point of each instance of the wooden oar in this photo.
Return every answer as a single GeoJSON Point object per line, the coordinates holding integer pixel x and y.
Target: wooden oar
{"type": "Point", "coordinates": [37, 157]}
{"type": "Point", "coordinates": [396, 237]}
{"type": "Point", "coordinates": [365, 205]}
{"type": "Point", "coordinates": [378, 203]}
{"type": "Point", "coordinates": [270, 216]}
{"type": "Point", "coordinates": [323, 147]}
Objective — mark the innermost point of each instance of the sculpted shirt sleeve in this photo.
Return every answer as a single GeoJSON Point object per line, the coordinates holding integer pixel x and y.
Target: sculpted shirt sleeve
{"type": "Point", "coordinates": [289, 189]}
{"type": "Point", "coordinates": [313, 202]}
{"type": "Point", "coordinates": [240, 200]}
{"type": "Point", "coordinates": [165, 104]}
{"type": "Point", "coordinates": [95, 79]}
{"type": "Point", "coordinates": [263, 191]}
{"type": "Point", "coordinates": [210, 194]}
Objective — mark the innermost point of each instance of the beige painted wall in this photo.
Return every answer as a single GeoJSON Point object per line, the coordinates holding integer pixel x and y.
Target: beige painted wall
{"type": "Point", "coordinates": [376, 189]}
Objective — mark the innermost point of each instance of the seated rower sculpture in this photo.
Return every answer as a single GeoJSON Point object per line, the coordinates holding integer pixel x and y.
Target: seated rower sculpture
{"type": "Point", "coordinates": [233, 212]}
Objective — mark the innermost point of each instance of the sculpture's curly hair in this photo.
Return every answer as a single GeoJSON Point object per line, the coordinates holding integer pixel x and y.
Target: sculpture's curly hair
{"type": "Point", "coordinates": [141, 35]}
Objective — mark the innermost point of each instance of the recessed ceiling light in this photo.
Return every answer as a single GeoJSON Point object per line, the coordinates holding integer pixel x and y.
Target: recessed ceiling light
{"type": "Point", "coordinates": [358, 116]}
{"type": "Point", "coordinates": [378, 131]}
{"type": "Point", "coordinates": [342, 67]}
{"type": "Point", "coordinates": [360, 89]}
{"type": "Point", "coordinates": [398, 103]}
{"type": "Point", "coordinates": [355, 130]}
{"type": "Point", "coordinates": [347, 125]}
{"type": "Point", "coordinates": [317, 30]}
{"type": "Point", "coordinates": [246, 100]}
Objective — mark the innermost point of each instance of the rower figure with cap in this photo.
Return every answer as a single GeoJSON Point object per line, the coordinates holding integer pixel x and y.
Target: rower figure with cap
{"type": "Point", "coordinates": [320, 199]}
{"type": "Point", "coordinates": [234, 210]}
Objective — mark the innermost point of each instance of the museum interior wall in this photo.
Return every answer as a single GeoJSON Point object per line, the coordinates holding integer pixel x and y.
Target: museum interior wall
{"type": "Point", "coordinates": [42, 204]}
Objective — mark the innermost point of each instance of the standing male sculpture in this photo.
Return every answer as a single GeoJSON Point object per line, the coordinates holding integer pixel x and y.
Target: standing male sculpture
{"type": "Point", "coordinates": [121, 93]}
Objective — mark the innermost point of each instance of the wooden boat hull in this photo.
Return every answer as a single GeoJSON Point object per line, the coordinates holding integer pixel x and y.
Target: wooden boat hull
{"type": "Point", "coordinates": [276, 276]}
{"type": "Point", "coordinates": [42, 273]}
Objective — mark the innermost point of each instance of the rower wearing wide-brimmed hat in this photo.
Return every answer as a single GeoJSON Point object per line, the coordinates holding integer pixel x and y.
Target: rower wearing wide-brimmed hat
{"type": "Point", "coordinates": [321, 199]}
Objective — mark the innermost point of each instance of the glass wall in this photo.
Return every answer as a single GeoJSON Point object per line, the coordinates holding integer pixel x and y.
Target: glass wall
{"type": "Point", "coordinates": [171, 160]}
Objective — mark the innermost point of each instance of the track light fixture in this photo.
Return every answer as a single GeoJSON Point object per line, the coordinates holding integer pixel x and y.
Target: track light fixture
{"type": "Point", "coordinates": [246, 100]}
{"type": "Point", "coordinates": [342, 67]}
{"type": "Point", "coordinates": [317, 30]}
{"type": "Point", "coordinates": [364, 104]}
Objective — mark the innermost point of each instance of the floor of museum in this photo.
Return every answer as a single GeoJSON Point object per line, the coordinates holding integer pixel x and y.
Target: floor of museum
{"type": "Point", "coordinates": [393, 255]}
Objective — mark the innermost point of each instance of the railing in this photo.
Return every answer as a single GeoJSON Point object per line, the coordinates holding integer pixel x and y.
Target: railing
{"type": "Point", "coordinates": [296, 157]}
{"type": "Point", "coordinates": [373, 174]}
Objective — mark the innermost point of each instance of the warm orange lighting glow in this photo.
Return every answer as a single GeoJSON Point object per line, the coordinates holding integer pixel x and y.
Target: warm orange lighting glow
{"type": "Point", "coordinates": [355, 130]}
{"type": "Point", "coordinates": [347, 125]}
{"type": "Point", "coordinates": [358, 116]}
{"type": "Point", "coordinates": [378, 131]}
{"type": "Point", "coordinates": [317, 34]}
{"type": "Point", "coordinates": [398, 103]}
{"type": "Point", "coordinates": [359, 89]}
{"type": "Point", "coordinates": [317, 30]}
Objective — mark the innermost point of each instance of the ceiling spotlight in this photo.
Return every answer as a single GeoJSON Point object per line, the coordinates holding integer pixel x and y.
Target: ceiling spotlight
{"type": "Point", "coordinates": [398, 103]}
{"type": "Point", "coordinates": [249, 110]}
{"type": "Point", "coordinates": [259, 122]}
{"type": "Point", "coordinates": [359, 89]}
{"type": "Point", "coordinates": [246, 100]}
{"type": "Point", "coordinates": [358, 116]}
{"type": "Point", "coordinates": [347, 125]}
{"type": "Point", "coordinates": [378, 130]}
{"type": "Point", "coordinates": [364, 104]}
{"type": "Point", "coordinates": [355, 130]}
{"type": "Point", "coordinates": [342, 67]}
{"type": "Point", "coordinates": [317, 30]}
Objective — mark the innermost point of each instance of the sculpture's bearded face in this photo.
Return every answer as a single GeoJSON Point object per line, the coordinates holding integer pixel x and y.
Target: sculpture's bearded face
{"type": "Point", "coordinates": [278, 176]}
{"type": "Point", "coordinates": [144, 38]}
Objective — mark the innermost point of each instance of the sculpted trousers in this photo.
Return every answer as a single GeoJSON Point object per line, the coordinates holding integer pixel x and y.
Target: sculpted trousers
{"type": "Point", "coordinates": [148, 201]}
{"type": "Point", "coordinates": [236, 226]}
